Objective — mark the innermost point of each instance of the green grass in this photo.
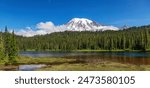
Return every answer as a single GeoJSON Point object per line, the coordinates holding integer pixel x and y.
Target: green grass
{"type": "Point", "coordinates": [107, 66]}
{"type": "Point", "coordinates": [43, 60]}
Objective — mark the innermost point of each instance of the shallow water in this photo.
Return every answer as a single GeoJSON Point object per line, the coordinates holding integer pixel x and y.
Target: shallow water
{"type": "Point", "coordinates": [29, 67]}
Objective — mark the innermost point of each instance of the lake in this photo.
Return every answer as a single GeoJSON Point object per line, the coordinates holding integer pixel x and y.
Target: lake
{"type": "Point", "coordinates": [63, 54]}
{"type": "Point", "coordinates": [136, 58]}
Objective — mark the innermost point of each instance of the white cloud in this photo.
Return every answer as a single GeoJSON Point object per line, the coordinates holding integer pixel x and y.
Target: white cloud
{"type": "Point", "coordinates": [41, 29]}
{"type": "Point", "coordinates": [45, 26]}
{"type": "Point", "coordinates": [28, 32]}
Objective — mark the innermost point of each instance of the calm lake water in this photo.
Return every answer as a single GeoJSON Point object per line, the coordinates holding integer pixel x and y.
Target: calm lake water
{"type": "Point", "coordinates": [63, 54]}
{"type": "Point", "coordinates": [137, 58]}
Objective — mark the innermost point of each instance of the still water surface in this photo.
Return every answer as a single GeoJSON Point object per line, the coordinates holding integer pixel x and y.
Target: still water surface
{"type": "Point", "coordinates": [63, 54]}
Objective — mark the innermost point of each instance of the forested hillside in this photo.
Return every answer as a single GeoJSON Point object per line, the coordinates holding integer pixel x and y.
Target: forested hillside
{"type": "Point", "coordinates": [135, 38]}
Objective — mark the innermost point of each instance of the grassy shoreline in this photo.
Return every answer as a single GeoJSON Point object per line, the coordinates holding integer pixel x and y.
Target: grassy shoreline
{"type": "Point", "coordinates": [64, 64]}
{"type": "Point", "coordinates": [86, 50]}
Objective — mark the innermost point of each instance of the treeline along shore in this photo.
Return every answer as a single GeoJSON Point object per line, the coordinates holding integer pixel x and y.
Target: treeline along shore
{"type": "Point", "coordinates": [134, 38]}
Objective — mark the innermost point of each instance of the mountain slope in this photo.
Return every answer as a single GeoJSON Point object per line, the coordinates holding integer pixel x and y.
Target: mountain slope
{"type": "Point", "coordinates": [83, 24]}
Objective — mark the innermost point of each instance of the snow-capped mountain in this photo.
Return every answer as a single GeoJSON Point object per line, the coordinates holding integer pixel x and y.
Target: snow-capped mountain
{"type": "Point", "coordinates": [83, 24]}
{"type": "Point", "coordinates": [124, 27]}
{"type": "Point", "coordinates": [76, 24]}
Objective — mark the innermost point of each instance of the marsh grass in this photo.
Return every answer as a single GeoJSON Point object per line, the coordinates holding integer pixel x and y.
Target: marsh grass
{"type": "Point", "coordinates": [103, 66]}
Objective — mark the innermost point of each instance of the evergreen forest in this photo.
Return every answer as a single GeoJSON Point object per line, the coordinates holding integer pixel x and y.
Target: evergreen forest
{"type": "Point", "coordinates": [134, 38]}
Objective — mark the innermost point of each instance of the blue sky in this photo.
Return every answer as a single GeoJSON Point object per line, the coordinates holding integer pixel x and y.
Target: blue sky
{"type": "Point", "coordinates": [19, 14]}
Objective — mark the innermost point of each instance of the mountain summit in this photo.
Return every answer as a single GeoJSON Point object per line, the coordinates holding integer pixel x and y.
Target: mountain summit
{"type": "Point", "coordinates": [83, 24]}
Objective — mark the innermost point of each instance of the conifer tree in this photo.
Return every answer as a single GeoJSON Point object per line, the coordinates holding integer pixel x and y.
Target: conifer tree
{"type": "Point", "coordinates": [1, 47]}
{"type": "Point", "coordinates": [6, 42]}
{"type": "Point", "coordinates": [13, 49]}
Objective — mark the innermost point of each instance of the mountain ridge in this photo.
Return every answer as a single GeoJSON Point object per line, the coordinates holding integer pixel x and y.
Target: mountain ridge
{"type": "Point", "coordinates": [84, 24]}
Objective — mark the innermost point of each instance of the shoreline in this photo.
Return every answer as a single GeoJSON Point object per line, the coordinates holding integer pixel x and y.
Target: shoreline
{"type": "Point", "coordinates": [65, 64]}
{"type": "Point", "coordinates": [86, 51]}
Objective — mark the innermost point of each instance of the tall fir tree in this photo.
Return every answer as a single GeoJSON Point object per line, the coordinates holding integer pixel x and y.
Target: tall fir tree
{"type": "Point", "coordinates": [13, 49]}
{"type": "Point", "coordinates": [6, 42]}
{"type": "Point", "coordinates": [1, 47]}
